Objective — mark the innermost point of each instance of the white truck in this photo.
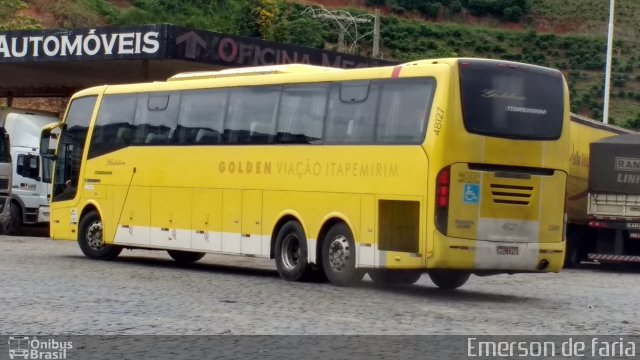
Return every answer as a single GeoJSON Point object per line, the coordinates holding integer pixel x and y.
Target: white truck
{"type": "Point", "coordinates": [5, 176]}
{"type": "Point", "coordinates": [31, 174]}
{"type": "Point", "coordinates": [614, 199]}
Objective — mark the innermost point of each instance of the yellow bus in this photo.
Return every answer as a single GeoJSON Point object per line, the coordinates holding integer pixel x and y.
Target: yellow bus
{"type": "Point", "coordinates": [449, 167]}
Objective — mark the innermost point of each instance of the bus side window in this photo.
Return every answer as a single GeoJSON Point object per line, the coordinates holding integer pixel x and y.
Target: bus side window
{"type": "Point", "coordinates": [112, 130]}
{"type": "Point", "coordinates": [251, 115]}
{"type": "Point", "coordinates": [301, 114]}
{"type": "Point", "coordinates": [201, 117]}
{"type": "Point", "coordinates": [352, 113]}
{"type": "Point", "coordinates": [403, 111]}
{"type": "Point", "coordinates": [156, 118]}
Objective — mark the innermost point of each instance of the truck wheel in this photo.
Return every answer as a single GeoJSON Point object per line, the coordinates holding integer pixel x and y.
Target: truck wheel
{"type": "Point", "coordinates": [573, 251]}
{"type": "Point", "coordinates": [449, 279]}
{"type": "Point", "coordinates": [185, 257]}
{"type": "Point", "coordinates": [12, 227]}
{"type": "Point", "coordinates": [339, 256]}
{"type": "Point", "coordinates": [291, 253]}
{"type": "Point", "coordinates": [572, 256]}
{"type": "Point", "coordinates": [391, 277]}
{"type": "Point", "coordinates": [90, 239]}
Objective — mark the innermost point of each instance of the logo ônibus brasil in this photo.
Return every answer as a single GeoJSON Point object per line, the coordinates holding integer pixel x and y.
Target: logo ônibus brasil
{"type": "Point", "coordinates": [25, 347]}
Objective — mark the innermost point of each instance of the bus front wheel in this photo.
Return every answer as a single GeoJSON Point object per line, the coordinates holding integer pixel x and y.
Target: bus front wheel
{"type": "Point", "coordinates": [90, 239]}
{"type": "Point", "coordinates": [391, 277]}
{"type": "Point", "coordinates": [448, 279]}
{"type": "Point", "coordinates": [339, 256]}
{"type": "Point", "coordinates": [185, 257]}
{"type": "Point", "coordinates": [291, 253]}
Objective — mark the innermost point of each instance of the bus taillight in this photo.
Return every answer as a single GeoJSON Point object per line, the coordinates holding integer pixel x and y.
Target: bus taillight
{"type": "Point", "coordinates": [442, 199]}
{"type": "Point", "coordinates": [443, 188]}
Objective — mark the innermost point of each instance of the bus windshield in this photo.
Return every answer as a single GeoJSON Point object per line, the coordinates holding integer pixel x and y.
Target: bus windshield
{"type": "Point", "coordinates": [511, 101]}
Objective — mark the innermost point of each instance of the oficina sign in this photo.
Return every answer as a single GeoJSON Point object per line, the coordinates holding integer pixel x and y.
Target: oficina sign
{"type": "Point", "coordinates": [163, 42]}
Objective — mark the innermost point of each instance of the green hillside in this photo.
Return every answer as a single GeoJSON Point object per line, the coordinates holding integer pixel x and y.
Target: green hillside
{"type": "Point", "coordinates": [569, 35]}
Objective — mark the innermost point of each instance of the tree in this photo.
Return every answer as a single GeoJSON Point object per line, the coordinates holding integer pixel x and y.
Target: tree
{"type": "Point", "coordinates": [482, 7]}
{"type": "Point", "coordinates": [513, 13]}
{"type": "Point", "coordinates": [455, 7]}
{"type": "Point", "coordinates": [430, 8]}
{"type": "Point", "coordinates": [300, 31]}
{"type": "Point", "coordinates": [633, 123]}
{"type": "Point", "coordinates": [9, 7]}
{"type": "Point", "coordinates": [11, 20]}
{"type": "Point", "coordinates": [266, 13]}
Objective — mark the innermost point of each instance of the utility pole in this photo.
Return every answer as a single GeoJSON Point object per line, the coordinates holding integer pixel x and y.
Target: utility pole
{"type": "Point", "coordinates": [607, 76]}
{"type": "Point", "coordinates": [376, 34]}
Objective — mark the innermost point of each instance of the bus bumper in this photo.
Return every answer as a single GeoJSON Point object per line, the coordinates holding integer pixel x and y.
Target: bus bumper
{"type": "Point", "coordinates": [495, 256]}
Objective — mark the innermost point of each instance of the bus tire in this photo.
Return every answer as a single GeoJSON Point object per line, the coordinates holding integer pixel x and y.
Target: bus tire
{"type": "Point", "coordinates": [91, 239]}
{"type": "Point", "coordinates": [291, 253]}
{"type": "Point", "coordinates": [339, 257]}
{"type": "Point", "coordinates": [395, 277]}
{"type": "Point", "coordinates": [14, 222]}
{"type": "Point", "coordinates": [185, 257]}
{"type": "Point", "coordinates": [449, 279]}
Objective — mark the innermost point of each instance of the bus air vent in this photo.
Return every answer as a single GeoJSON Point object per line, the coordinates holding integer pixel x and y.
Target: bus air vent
{"type": "Point", "coordinates": [511, 194]}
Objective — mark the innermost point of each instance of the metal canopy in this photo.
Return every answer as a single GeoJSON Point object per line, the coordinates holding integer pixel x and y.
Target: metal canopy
{"type": "Point", "coordinates": [57, 63]}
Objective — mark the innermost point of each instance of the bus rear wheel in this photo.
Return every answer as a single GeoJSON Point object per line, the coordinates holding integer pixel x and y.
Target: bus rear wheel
{"type": "Point", "coordinates": [391, 277]}
{"type": "Point", "coordinates": [185, 257]}
{"type": "Point", "coordinates": [449, 279]}
{"type": "Point", "coordinates": [90, 239]}
{"type": "Point", "coordinates": [339, 256]}
{"type": "Point", "coordinates": [291, 253]}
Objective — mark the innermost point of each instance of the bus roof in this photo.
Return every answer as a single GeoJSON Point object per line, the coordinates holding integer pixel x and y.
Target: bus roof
{"type": "Point", "coordinates": [254, 70]}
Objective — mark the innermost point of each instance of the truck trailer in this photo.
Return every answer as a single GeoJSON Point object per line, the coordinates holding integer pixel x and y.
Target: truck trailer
{"type": "Point", "coordinates": [614, 198]}
{"type": "Point", "coordinates": [592, 232]}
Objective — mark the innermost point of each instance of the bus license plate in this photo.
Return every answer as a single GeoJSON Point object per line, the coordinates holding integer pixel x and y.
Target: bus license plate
{"type": "Point", "coordinates": [507, 250]}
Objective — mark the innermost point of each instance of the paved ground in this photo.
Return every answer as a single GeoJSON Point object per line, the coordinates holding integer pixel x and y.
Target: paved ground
{"type": "Point", "coordinates": [48, 287]}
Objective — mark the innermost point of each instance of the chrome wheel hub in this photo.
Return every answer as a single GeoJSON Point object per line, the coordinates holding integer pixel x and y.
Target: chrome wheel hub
{"type": "Point", "coordinates": [291, 251]}
{"type": "Point", "coordinates": [339, 253]}
{"type": "Point", "coordinates": [94, 236]}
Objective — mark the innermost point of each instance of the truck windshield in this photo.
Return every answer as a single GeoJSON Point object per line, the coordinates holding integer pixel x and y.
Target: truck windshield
{"type": "Point", "coordinates": [5, 155]}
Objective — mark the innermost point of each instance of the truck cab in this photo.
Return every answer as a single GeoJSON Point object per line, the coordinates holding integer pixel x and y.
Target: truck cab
{"type": "Point", "coordinates": [5, 176]}
{"type": "Point", "coordinates": [31, 174]}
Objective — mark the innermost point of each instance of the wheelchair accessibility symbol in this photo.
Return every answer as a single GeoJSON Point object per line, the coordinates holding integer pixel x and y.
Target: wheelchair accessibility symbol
{"type": "Point", "coordinates": [471, 194]}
